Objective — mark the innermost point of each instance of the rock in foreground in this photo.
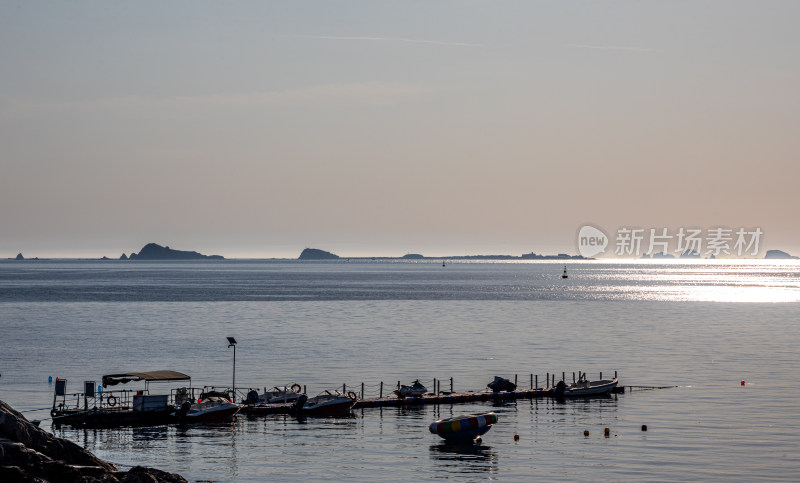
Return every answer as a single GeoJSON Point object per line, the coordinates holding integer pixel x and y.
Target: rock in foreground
{"type": "Point", "coordinates": [28, 453]}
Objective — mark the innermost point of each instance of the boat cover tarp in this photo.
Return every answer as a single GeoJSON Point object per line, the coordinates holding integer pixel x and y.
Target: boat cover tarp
{"type": "Point", "coordinates": [114, 379]}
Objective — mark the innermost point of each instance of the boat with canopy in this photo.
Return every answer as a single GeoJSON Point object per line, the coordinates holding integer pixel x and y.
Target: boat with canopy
{"type": "Point", "coordinates": [95, 408]}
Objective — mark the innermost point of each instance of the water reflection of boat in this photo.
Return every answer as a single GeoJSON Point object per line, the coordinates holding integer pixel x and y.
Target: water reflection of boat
{"type": "Point", "coordinates": [470, 457]}
{"type": "Point", "coordinates": [149, 433]}
{"type": "Point", "coordinates": [454, 451]}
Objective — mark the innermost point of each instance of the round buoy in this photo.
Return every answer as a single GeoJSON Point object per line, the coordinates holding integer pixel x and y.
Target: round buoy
{"type": "Point", "coordinates": [607, 432]}
{"type": "Point", "coordinates": [516, 437]}
{"type": "Point", "coordinates": [49, 379]}
{"type": "Point", "coordinates": [644, 427]}
{"type": "Point", "coordinates": [586, 433]}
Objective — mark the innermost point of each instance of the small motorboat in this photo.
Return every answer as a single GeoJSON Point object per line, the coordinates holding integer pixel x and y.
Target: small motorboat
{"type": "Point", "coordinates": [325, 404]}
{"type": "Point", "coordinates": [584, 388]}
{"type": "Point", "coordinates": [414, 390]}
{"type": "Point", "coordinates": [210, 407]}
{"type": "Point", "coordinates": [276, 395]}
{"type": "Point", "coordinates": [501, 384]}
{"type": "Point", "coordinates": [463, 428]}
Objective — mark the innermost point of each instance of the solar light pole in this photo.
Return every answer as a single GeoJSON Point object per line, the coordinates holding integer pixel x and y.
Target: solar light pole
{"type": "Point", "coordinates": [232, 343]}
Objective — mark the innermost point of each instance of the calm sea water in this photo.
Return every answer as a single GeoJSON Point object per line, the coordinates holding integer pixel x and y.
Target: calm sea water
{"type": "Point", "coordinates": [703, 327]}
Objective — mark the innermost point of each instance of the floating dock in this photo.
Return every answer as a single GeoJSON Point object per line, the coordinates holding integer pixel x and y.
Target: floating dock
{"type": "Point", "coordinates": [440, 398]}
{"type": "Point", "coordinates": [455, 398]}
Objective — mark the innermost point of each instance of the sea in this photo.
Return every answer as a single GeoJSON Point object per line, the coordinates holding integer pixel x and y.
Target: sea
{"type": "Point", "coordinates": [707, 351]}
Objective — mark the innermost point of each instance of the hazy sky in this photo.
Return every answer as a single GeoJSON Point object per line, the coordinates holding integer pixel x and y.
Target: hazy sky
{"type": "Point", "coordinates": [381, 128]}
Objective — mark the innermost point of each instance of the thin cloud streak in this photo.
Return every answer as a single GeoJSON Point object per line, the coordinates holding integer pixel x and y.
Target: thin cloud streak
{"type": "Point", "coordinates": [364, 94]}
{"type": "Point", "coordinates": [609, 47]}
{"type": "Point", "coordinates": [382, 39]}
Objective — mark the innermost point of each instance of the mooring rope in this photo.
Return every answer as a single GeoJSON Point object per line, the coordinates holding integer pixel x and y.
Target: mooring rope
{"type": "Point", "coordinates": [31, 410]}
{"type": "Point", "coordinates": [645, 388]}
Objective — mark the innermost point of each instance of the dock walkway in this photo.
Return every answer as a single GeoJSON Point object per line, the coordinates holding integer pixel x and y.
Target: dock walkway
{"type": "Point", "coordinates": [440, 398]}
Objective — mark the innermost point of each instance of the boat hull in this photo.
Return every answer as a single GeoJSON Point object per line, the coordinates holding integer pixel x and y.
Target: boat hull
{"type": "Point", "coordinates": [111, 418]}
{"type": "Point", "coordinates": [468, 435]}
{"type": "Point", "coordinates": [332, 407]}
{"type": "Point", "coordinates": [265, 409]}
{"type": "Point", "coordinates": [219, 412]}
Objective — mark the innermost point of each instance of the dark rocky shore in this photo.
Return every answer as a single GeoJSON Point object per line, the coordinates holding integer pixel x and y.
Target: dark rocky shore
{"type": "Point", "coordinates": [30, 454]}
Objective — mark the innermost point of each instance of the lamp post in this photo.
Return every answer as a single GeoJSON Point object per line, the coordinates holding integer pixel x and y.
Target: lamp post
{"type": "Point", "coordinates": [232, 343]}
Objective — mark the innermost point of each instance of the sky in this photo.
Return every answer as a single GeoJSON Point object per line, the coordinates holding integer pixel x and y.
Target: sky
{"type": "Point", "coordinates": [379, 128]}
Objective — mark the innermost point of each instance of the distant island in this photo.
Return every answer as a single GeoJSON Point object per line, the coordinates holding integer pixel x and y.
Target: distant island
{"type": "Point", "coordinates": [317, 254]}
{"type": "Point", "coordinates": [20, 257]}
{"type": "Point", "coordinates": [779, 254]}
{"type": "Point", "coordinates": [153, 251]}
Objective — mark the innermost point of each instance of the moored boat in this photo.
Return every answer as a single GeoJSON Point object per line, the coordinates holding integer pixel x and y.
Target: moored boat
{"type": "Point", "coordinates": [211, 409]}
{"type": "Point", "coordinates": [95, 408]}
{"type": "Point", "coordinates": [414, 390]}
{"type": "Point", "coordinates": [276, 395]}
{"type": "Point", "coordinates": [465, 427]}
{"type": "Point", "coordinates": [584, 388]}
{"type": "Point", "coordinates": [501, 384]}
{"type": "Point", "coordinates": [326, 404]}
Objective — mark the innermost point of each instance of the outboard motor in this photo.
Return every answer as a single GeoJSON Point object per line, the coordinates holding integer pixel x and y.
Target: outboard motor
{"type": "Point", "coordinates": [252, 398]}
{"type": "Point", "coordinates": [298, 405]}
{"type": "Point", "coordinates": [185, 407]}
{"type": "Point", "coordinates": [560, 389]}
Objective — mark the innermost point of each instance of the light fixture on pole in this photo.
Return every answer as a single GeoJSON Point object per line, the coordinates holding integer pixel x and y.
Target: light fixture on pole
{"type": "Point", "coordinates": [232, 343]}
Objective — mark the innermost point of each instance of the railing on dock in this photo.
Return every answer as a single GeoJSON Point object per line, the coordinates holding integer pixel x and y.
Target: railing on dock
{"type": "Point", "coordinates": [382, 390]}
{"type": "Point", "coordinates": [439, 391]}
{"type": "Point", "coordinates": [94, 397]}
{"type": "Point", "coordinates": [383, 394]}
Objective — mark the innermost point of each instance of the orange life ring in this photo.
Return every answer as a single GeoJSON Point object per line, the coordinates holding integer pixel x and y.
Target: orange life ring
{"type": "Point", "coordinates": [111, 401]}
{"type": "Point", "coordinates": [352, 395]}
{"type": "Point", "coordinates": [296, 388]}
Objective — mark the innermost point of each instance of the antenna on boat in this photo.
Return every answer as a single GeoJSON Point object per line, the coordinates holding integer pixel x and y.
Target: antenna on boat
{"type": "Point", "coordinates": [232, 343]}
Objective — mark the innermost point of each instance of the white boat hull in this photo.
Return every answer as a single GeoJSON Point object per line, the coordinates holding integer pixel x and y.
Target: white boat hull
{"type": "Point", "coordinates": [327, 406]}
{"type": "Point", "coordinates": [208, 411]}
